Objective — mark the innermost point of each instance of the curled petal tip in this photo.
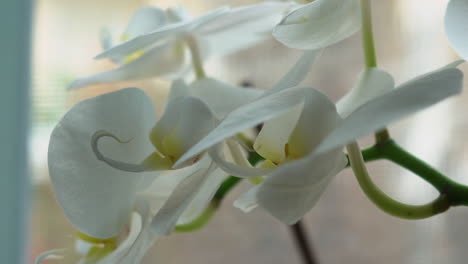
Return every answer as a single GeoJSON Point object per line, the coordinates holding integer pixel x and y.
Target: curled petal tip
{"type": "Point", "coordinates": [123, 166]}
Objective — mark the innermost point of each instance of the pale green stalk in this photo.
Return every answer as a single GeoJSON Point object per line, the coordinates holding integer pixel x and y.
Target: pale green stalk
{"type": "Point", "coordinates": [370, 56]}
{"type": "Point", "coordinates": [383, 201]}
{"type": "Point", "coordinates": [196, 57]}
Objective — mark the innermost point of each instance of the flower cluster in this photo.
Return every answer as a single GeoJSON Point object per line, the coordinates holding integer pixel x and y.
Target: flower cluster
{"type": "Point", "coordinates": [115, 167]}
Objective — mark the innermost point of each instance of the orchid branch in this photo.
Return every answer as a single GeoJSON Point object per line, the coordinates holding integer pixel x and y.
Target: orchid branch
{"type": "Point", "coordinates": [386, 203]}
{"type": "Point", "coordinates": [370, 56]}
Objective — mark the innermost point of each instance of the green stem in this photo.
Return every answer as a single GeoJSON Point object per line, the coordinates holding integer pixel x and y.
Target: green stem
{"type": "Point", "coordinates": [367, 34]}
{"type": "Point", "coordinates": [196, 57]}
{"type": "Point", "coordinates": [383, 201]}
{"type": "Point", "coordinates": [457, 194]}
{"type": "Point", "coordinates": [370, 56]}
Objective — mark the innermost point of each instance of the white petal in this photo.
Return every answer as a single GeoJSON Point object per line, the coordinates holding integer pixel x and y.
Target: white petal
{"type": "Point", "coordinates": [96, 198]}
{"type": "Point", "coordinates": [157, 193]}
{"type": "Point", "coordinates": [456, 26]}
{"type": "Point", "coordinates": [319, 24]}
{"type": "Point", "coordinates": [242, 27]}
{"type": "Point", "coordinates": [203, 197]}
{"type": "Point", "coordinates": [145, 20]}
{"type": "Point", "coordinates": [160, 35]}
{"type": "Point", "coordinates": [162, 61]}
{"type": "Point", "coordinates": [234, 169]}
{"type": "Point", "coordinates": [298, 72]}
{"type": "Point", "coordinates": [139, 240]}
{"type": "Point", "coordinates": [248, 201]}
{"type": "Point", "coordinates": [178, 89]}
{"type": "Point", "coordinates": [186, 121]}
{"type": "Point", "coordinates": [295, 187]}
{"type": "Point", "coordinates": [105, 38]}
{"type": "Point", "coordinates": [318, 118]}
{"type": "Point", "coordinates": [372, 83]}
{"type": "Point", "coordinates": [272, 139]}
{"type": "Point", "coordinates": [246, 15]}
{"type": "Point", "coordinates": [166, 218]}
{"type": "Point", "coordinates": [247, 116]}
{"type": "Point", "coordinates": [222, 98]}
{"type": "Point", "coordinates": [407, 99]}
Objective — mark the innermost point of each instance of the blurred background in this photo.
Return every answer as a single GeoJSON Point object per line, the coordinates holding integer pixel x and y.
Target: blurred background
{"type": "Point", "coordinates": [345, 227]}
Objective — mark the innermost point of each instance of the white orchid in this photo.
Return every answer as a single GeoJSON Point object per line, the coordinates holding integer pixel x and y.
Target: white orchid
{"type": "Point", "coordinates": [303, 147]}
{"type": "Point", "coordinates": [456, 21]}
{"type": "Point", "coordinates": [158, 41]}
{"type": "Point", "coordinates": [99, 197]}
{"type": "Point", "coordinates": [319, 24]}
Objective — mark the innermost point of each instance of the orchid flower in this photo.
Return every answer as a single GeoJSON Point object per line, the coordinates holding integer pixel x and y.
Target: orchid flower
{"type": "Point", "coordinates": [456, 19]}
{"type": "Point", "coordinates": [99, 197]}
{"type": "Point", "coordinates": [319, 24]}
{"type": "Point", "coordinates": [303, 146]}
{"type": "Point", "coordinates": [158, 42]}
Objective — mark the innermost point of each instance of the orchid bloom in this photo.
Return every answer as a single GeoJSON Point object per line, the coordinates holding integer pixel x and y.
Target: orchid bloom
{"type": "Point", "coordinates": [319, 24]}
{"type": "Point", "coordinates": [96, 184]}
{"type": "Point", "coordinates": [158, 42]}
{"type": "Point", "coordinates": [303, 146]}
{"type": "Point", "coordinates": [456, 19]}
{"type": "Point", "coordinates": [99, 199]}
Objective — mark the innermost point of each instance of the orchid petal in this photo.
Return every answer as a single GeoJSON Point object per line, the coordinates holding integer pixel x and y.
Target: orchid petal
{"type": "Point", "coordinates": [162, 188]}
{"type": "Point", "coordinates": [212, 92]}
{"type": "Point", "coordinates": [186, 120]}
{"type": "Point", "coordinates": [241, 171]}
{"type": "Point", "coordinates": [372, 83]}
{"type": "Point", "coordinates": [241, 27]}
{"type": "Point", "coordinates": [203, 197]}
{"type": "Point", "coordinates": [163, 61]}
{"type": "Point", "coordinates": [248, 115]}
{"type": "Point", "coordinates": [105, 38]}
{"type": "Point", "coordinates": [145, 20]}
{"type": "Point", "coordinates": [456, 21]}
{"type": "Point", "coordinates": [96, 198]}
{"type": "Point", "coordinates": [319, 24]}
{"type": "Point", "coordinates": [318, 118]}
{"type": "Point", "coordinates": [238, 17]}
{"type": "Point", "coordinates": [178, 89]}
{"type": "Point", "coordinates": [136, 226]}
{"type": "Point", "coordinates": [292, 189]}
{"type": "Point", "coordinates": [166, 218]}
{"type": "Point", "coordinates": [298, 72]}
{"type": "Point", "coordinates": [139, 240]}
{"type": "Point", "coordinates": [272, 139]}
{"type": "Point", "coordinates": [160, 35]}
{"type": "Point", "coordinates": [407, 99]}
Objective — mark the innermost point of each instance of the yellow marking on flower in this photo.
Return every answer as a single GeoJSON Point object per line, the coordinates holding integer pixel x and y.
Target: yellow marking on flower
{"type": "Point", "coordinates": [101, 247]}
{"type": "Point", "coordinates": [95, 240]}
{"type": "Point", "coordinates": [135, 55]}
{"type": "Point", "coordinates": [171, 147]}
{"type": "Point", "coordinates": [268, 152]}
{"type": "Point", "coordinates": [156, 161]}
